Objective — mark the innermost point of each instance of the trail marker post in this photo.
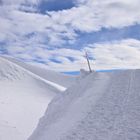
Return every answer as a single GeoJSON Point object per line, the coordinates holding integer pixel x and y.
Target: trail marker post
{"type": "Point", "coordinates": [87, 58]}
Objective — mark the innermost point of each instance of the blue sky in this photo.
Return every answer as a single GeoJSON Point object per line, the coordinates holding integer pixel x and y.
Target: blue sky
{"type": "Point", "coordinates": [55, 5]}
{"type": "Point", "coordinates": [54, 34]}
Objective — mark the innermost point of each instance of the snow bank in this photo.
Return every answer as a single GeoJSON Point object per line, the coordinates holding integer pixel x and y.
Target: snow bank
{"type": "Point", "coordinates": [24, 97]}
{"type": "Point", "coordinates": [52, 76]}
{"type": "Point", "coordinates": [103, 106]}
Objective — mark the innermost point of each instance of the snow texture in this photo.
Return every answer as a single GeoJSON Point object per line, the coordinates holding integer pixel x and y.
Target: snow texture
{"type": "Point", "coordinates": [25, 92]}
{"type": "Point", "coordinates": [103, 106]}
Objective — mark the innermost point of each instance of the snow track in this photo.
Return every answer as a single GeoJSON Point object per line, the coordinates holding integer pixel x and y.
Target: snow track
{"type": "Point", "coordinates": [101, 120]}
{"type": "Point", "coordinates": [108, 109]}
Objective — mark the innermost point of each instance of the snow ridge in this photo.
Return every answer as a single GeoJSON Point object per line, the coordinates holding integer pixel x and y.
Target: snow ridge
{"type": "Point", "coordinates": [103, 106]}
{"type": "Point", "coordinates": [52, 76]}
{"type": "Point", "coordinates": [56, 86]}
{"type": "Point", "coordinates": [25, 92]}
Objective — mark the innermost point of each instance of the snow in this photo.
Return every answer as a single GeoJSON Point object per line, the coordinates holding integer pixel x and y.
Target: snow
{"type": "Point", "coordinates": [102, 106]}
{"type": "Point", "coordinates": [55, 77]}
{"type": "Point", "coordinates": [25, 92]}
{"type": "Point", "coordinates": [97, 106]}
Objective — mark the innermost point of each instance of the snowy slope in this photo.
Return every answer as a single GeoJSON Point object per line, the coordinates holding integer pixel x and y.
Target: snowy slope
{"type": "Point", "coordinates": [59, 78]}
{"type": "Point", "coordinates": [103, 106]}
{"type": "Point", "coordinates": [24, 97]}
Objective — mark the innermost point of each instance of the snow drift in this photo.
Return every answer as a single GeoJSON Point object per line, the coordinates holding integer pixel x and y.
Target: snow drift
{"type": "Point", "coordinates": [103, 106]}
{"type": "Point", "coordinates": [25, 92]}
{"type": "Point", "coordinates": [52, 76]}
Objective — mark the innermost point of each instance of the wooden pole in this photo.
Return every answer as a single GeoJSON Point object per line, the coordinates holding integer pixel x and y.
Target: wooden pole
{"type": "Point", "coordinates": [86, 55]}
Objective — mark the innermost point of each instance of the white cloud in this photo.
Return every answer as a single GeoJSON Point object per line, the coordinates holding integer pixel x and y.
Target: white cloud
{"type": "Point", "coordinates": [94, 15]}
{"type": "Point", "coordinates": [18, 2]}
{"type": "Point", "coordinates": [29, 35]}
{"type": "Point", "coordinates": [59, 27]}
{"type": "Point", "coordinates": [118, 54]}
{"type": "Point", "coordinates": [18, 25]}
{"type": "Point", "coordinates": [122, 54]}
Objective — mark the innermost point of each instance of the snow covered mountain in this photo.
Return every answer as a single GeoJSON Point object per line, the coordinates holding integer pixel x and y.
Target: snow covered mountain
{"type": "Point", "coordinates": [103, 106]}
{"type": "Point", "coordinates": [25, 92]}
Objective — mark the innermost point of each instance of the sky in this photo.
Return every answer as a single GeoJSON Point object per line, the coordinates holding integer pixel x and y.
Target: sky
{"type": "Point", "coordinates": [55, 34]}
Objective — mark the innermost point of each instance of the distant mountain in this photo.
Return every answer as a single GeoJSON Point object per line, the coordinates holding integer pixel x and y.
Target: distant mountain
{"type": "Point", "coordinates": [102, 106]}
{"type": "Point", "coordinates": [25, 92]}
